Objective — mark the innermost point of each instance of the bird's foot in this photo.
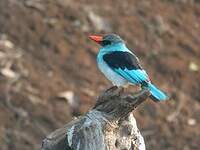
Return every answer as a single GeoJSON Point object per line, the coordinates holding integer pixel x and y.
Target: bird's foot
{"type": "Point", "coordinates": [115, 89]}
{"type": "Point", "coordinates": [112, 88]}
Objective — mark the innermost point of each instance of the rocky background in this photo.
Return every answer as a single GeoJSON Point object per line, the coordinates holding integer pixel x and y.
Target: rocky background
{"type": "Point", "coordinates": [48, 71]}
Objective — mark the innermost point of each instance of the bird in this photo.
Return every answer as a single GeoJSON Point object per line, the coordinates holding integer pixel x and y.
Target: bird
{"type": "Point", "coordinates": [122, 67]}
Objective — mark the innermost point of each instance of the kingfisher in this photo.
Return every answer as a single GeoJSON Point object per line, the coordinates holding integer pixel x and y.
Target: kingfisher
{"type": "Point", "coordinates": [122, 67]}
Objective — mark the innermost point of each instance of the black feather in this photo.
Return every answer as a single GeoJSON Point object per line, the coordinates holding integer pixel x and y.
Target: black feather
{"type": "Point", "coordinates": [120, 59]}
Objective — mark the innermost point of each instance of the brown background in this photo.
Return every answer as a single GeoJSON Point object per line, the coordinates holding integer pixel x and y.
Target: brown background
{"type": "Point", "coordinates": [45, 50]}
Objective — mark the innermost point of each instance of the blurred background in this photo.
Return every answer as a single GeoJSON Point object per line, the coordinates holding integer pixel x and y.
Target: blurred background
{"type": "Point", "coordinates": [48, 71]}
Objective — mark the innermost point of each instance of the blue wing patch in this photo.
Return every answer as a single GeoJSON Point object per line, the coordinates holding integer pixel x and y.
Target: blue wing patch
{"type": "Point", "coordinates": [134, 76]}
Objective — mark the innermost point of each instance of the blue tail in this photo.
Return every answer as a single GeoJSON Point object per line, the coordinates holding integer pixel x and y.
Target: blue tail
{"type": "Point", "coordinates": [156, 94]}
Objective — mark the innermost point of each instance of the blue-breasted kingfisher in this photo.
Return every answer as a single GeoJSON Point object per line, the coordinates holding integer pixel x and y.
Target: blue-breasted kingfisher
{"type": "Point", "coordinates": [121, 66]}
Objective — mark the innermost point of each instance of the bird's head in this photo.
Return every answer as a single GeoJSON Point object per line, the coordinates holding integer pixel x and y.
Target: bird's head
{"type": "Point", "coordinates": [106, 40]}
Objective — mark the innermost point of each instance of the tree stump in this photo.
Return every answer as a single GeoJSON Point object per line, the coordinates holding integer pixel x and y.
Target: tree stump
{"type": "Point", "coordinates": [110, 125]}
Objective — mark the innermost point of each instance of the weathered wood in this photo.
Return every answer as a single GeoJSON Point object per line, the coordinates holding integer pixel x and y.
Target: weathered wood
{"type": "Point", "coordinates": [109, 125]}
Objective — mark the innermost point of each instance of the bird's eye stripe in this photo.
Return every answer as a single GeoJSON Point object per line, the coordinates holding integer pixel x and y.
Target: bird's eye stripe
{"type": "Point", "coordinates": [106, 42]}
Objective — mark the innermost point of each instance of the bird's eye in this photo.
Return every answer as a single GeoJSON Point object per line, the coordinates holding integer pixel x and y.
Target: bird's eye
{"type": "Point", "coordinates": [106, 42]}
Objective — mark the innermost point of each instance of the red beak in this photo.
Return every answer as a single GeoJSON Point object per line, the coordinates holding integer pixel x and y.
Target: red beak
{"type": "Point", "coordinates": [96, 38]}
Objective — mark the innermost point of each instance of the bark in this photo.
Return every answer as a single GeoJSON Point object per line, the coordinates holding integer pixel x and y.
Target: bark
{"type": "Point", "coordinates": [110, 125]}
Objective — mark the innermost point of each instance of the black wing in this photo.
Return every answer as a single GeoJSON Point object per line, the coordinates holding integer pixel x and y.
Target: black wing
{"type": "Point", "coordinates": [120, 59]}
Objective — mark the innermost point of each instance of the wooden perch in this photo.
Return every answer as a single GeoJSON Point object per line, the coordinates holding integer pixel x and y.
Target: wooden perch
{"type": "Point", "coordinates": [110, 125]}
